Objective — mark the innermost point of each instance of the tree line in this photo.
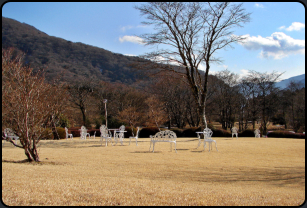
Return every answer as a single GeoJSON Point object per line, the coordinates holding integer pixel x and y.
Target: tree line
{"type": "Point", "coordinates": [30, 104]}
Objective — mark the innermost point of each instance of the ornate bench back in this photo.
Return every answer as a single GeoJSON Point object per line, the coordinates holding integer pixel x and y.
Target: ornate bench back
{"type": "Point", "coordinates": [234, 130]}
{"type": "Point", "coordinates": [165, 136]}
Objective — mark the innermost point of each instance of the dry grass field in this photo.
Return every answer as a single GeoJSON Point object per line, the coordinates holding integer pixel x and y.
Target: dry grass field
{"type": "Point", "coordinates": [247, 171]}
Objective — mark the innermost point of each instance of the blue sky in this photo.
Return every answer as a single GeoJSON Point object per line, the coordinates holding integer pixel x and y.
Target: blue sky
{"type": "Point", "coordinates": [275, 35]}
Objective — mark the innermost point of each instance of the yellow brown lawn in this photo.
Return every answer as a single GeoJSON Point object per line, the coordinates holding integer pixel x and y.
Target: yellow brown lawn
{"type": "Point", "coordinates": [244, 171]}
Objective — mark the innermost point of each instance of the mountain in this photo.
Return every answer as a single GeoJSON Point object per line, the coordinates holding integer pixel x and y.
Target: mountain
{"type": "Point", "coordinates": [57, 55]}
{"type": "Point", "coordinates": [297, 79]}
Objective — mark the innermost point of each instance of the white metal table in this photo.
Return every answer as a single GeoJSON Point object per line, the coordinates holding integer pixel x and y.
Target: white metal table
{"type": "Point", "coordinates": [119, 136]}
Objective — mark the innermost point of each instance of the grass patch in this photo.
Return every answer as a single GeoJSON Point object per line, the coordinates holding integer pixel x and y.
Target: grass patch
{"type": "Point", "coordinates": [245, 171]}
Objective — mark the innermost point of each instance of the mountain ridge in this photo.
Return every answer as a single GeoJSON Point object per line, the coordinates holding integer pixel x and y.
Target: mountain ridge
{"type": "Point", "coordinates": [284, 83]}
{"type": "Point", "coordinates": [57, 55]}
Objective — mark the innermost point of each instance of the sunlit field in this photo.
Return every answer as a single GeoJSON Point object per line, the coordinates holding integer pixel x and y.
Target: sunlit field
{"type": "Point", "coordinates": [244, 171]}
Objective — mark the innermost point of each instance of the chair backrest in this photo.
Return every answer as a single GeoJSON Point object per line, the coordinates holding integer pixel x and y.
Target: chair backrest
{"type": "Point", "coordinates": [8, 132]}
{"type": "Point", "coordinates": [207, 133]}
{"type": "Point", "coordinates": [66, 130]}
{"type": "Point", "coordinates": [103, 130]}
{"type": "Point", "coordinates": [257, 133]}
{"type": "Point", "coordinates": [83, 130]}
{"type": "Point", "coordinates": [137, 132]}
{"type": "Point", "coordinates": [234, 130]}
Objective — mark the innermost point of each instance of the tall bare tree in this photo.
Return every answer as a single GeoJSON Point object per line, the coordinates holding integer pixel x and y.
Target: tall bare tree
{"type": "Point", "coordinates": [28, 102]}
{"type": "Point", "coordinates": [192, 33]}
{"type": "Point", "coordinates": [80, 92]}
{"type": "Point", "coordinates": [266, 95]}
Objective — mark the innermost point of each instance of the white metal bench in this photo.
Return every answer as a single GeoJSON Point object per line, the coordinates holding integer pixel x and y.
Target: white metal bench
{"type": "Point", "coordinates": [163, 136]}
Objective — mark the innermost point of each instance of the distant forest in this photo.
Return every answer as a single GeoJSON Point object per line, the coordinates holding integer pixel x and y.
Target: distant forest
{"type": "Point", "coordinates": [90, 74]}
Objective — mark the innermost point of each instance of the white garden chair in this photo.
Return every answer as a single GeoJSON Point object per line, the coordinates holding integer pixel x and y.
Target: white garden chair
{"type": "Point", "coordinates": [207, 138]}
{"type": "Point", "coordinates": [105, 134]}
{"type": "Point", "coordinates": [257, 133]}
{"type": "Point", "coordinates": [67, 134]}
{"type": "Point", "coordinates": [234, 131]}
{"type": "Point", "coordinates": [119, 134]}
{"type": "Point", "coordinates": [83, 133]}
{"type": "Point", "coordinates": [135, 137]}
{"type": "Point", "coordinates": [9, 133]}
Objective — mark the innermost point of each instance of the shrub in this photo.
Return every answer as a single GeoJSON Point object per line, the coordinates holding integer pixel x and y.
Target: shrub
{"type": "Point", "coordinates": [220, 133]}
{"type": "Point", "coordinates": [129, 131]}
{"type": "Point", "coordinates": [285, 134]}
{"type": "Point", "coordinates": [246, 133]}
{"type": "Point", "coordinates": [147, 131]}
{"type": "Point", "coordinates": [61, 132]}
{"type": "Point", "coordinates": [47, 134]}
{"type": "Point", "coordinates": [190, 132]}
{"type": "Point", "coordinates": [210, 126]}
{"type": "Point", "coordinates": [177, 131]}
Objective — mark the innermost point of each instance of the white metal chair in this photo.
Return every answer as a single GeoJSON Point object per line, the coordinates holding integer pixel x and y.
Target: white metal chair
{"type": "Point", "coordinates": [9, 133]}
{"type": "Point", "coordinates": [207, 138]}
{"type": "Point", "coordinates": [135, 137]}
{"type": "Point", "coordinates": [67, 134]}
{"type": "Point", "coordinates": [234, 131]}
{"type": "Point", "coordinates": [257, 133]}
{"type": "Point", "coordinates": [119, 134]}
{"type": "Point", "coordinates": [83, 133]}
{"type": "Point", "coordinates": [105, 134]}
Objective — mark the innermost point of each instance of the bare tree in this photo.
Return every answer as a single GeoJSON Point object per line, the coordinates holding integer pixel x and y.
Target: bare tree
{"type": "Point", "coordinates": [28, 102]}
{"type": "Point", "coordinates": [295, 98]}
{"type": "Point", "coordinates": [266, 95]}
{"type": "Point", "coordinates": [192, 33]}
{"type": "Point", "coordinates": [226, 97]}
{"type": "Point", "coordinates": [79, 94]}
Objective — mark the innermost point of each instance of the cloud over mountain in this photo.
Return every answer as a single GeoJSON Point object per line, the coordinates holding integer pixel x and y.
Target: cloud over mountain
{"type": "Point", "coordinates": [132, 39]}
{"type": "Point", "coordinates": [278, 45]}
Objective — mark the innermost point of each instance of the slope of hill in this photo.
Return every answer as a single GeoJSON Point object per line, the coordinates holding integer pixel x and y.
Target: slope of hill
{"type": "Point", "coordinates": [284, 83]}
{"type": "Point", "coordinates": [56, 55]}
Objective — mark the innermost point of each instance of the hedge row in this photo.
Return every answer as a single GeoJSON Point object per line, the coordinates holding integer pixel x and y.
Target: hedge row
{"type": "Point", "coordinates": [189, 132]}
{"type": "Point", "coordinates": [285, 134]}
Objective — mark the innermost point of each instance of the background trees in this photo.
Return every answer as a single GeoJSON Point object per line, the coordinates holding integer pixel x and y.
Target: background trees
{"type": "Point", "coordinates": [192, 33]}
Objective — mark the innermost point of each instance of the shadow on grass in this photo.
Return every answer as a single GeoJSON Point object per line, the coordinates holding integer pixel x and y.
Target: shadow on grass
{"type": "Point", "coordinates": [146, 152]}
{"type": "Point", "coordinates": [26, 161]}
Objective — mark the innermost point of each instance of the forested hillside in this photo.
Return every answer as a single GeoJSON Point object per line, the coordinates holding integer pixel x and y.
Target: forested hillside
{"type": "Point", "coordinates": [56, 55]}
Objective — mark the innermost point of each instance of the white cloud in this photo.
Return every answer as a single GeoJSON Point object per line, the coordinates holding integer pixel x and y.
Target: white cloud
{"type": "Point", "coordinates": [259, 5]}
{"type": "Point", "coordinates": [278, 45]}
{"type": "Point", "coordinates": [129, 27]}
{"type": "Point", "coordinates": [132, 39]}
{"type": "Point", "coordinates": [294, 26]}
